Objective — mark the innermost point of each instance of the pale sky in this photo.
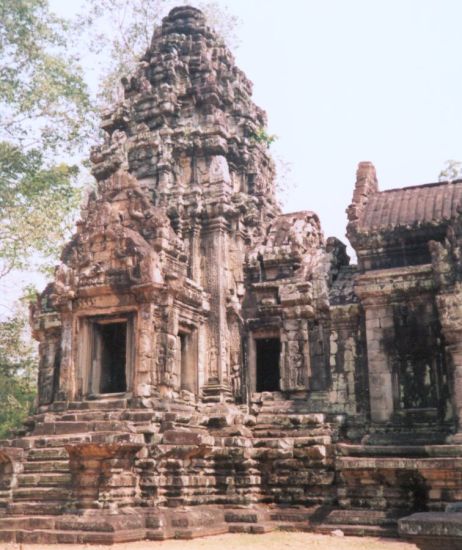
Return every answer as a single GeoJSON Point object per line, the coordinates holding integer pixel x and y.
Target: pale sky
{"type": "Point", "coordinates": [344, 81]}
{"type": "Point", "coordinates": [349, 80]}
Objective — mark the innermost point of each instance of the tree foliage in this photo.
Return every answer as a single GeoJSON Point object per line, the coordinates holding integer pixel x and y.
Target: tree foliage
{"type": "Point", "coordinates": [44, 102]}
{"type": "Point", "coordinates": [36, 204]}
{"type": "Point", "coordinates": [44, 113]}
{"type": "Point", "coordinates": [18, 366]}
{"type": "Point", "coordinates": [452, 171]}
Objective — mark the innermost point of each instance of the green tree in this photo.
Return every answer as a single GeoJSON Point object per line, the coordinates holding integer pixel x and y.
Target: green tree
{"type": "Point", "coordinates": [45, 113]}
{"type": "Point", "coordinates": [18, 367]}
{"type": "Point", "coordinates": [452, 171]}
{"type": "Point", "coordinates": [37, 201]}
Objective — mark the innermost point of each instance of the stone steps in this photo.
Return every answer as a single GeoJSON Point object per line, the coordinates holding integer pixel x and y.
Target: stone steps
{"type": "Point", "coordinates": [292, 515]}
{"type": "Point", "coordinates": [277, 433]}
{"type": "Point", "coordinates": [259, 521]}
{"type": "Point", "coordinates": [46, 467]}
{"type": "Point", "coordinates": [99, 404]}
{"type": "Point", "coordinates": [295, 453]}
{"type": "Point", "coordinates": [41, 493]}
{"type": "Point", "coordinates": [291, 419]}
{"type": "Point", "coordinates": [51, 536]}
{"type": "Point", "coordinates": [94, 416]}
{"type": "Point", "coordinates": [360, 522]}
{"type": "Point", "coordinates": [44, 479]}
{"type": "Point", "coordinates": [187, 533]}
{"type": "Point", "coordinates": [357, 530]}
{"type": "Point", "coordinates": [252, 528]}
{"type": "Point", "coordinates": [47, 454]}
{"type": "Point", "coordinates": [362, 517]}
{"type": "Point", "coordinates": [75, 427]}
{"type": "Point", "coordinates": [26, 522]}
{"type": "Point", "coordinates": [52, 529]}
{"type": "Point", "coordinates": [246, 516]}
{"type": "Point", "coordinates": [60, 440]}
{"type": "Point", "coordinates": [200, 531]}
{"type": "Point", "coordinates": [287, 408]}
{"type": "Point", "coordinates": [36, 508]}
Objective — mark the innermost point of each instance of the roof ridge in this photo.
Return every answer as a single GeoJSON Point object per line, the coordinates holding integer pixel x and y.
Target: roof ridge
{"type": "Point", "coordinates": [423, 185]}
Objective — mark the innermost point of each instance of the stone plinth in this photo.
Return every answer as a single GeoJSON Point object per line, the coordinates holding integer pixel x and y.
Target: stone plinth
{"type": "Point", "coordinates": [102, 475]}
{"type": "Point", "coordinates": [433, 530]}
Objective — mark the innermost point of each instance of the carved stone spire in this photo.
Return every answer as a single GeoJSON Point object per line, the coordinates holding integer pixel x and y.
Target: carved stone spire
{"type": "Point", "coordinates": [188, 102]}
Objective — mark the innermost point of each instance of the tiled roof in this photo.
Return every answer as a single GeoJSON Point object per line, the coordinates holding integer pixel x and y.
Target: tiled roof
{"type": "Point", "coordinates": [411, 206]}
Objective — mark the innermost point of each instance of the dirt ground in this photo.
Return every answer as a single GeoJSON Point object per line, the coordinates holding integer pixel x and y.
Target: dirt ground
{"type": "Point", "coordinates": [271, 541]}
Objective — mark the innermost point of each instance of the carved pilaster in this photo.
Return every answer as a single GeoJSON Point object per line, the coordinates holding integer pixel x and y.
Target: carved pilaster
{"type": "Point", "coordinates": [145, 372]}
{"type": "Point", "coordinates": [450, 312]}
{"type": "Point", "coordinates": [215, 242]}
{"type": "Point", "coordinates": [67, 379]}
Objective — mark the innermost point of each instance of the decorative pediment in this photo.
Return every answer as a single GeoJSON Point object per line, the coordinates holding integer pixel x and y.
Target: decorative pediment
{"type": "Point", "coordinates": [116, 257]}
{"type": "Point", "coordinates": [292, 246]}
{"type": "Point", "coordinates": [122, 241]}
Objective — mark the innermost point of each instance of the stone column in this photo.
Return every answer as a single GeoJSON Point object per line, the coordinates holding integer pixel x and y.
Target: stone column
{"type": "Point", "coordinates": [67, 380]}
{"type": "Point", "coordinates": [144, 377]}
{"type": "Point", "coordinates": [455, 350]}
{"type": "Point", "coordinates": [195, 253]}
{"type": "Point", "coordinates": [295, 355]}
{"type": "Point", "coordinates": [379, 317]}
{"type": "Point", "coordinates": [215, 282]}
{"type": "Point", "coordinates": [50, 357]}
{"type": "Point", "coordinates": [167, 347]}
{"type": "Point", "coordinates": [450, 312]}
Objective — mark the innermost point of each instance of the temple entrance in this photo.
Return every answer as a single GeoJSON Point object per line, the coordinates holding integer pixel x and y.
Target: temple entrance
{"type": "Point", "coordinates": [110, 353]}
{"type": "Point", "coordinates": [112, 357]}
{"type": "Point", "coordinates": [268, 373]}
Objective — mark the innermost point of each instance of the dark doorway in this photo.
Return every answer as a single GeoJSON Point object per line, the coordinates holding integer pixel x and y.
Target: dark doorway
{"type": "Point", "coordinates": [268, 351]}
{"type": "Point", "coordinates": [111, 356]}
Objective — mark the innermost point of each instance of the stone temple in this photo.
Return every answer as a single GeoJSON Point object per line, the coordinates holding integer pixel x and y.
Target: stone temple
{"type": "Point", "coordinates": [209, 364]}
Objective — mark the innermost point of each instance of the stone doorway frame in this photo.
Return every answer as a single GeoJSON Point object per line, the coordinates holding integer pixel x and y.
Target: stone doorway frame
{"type": "Point", "coordinates": [88, 368]}
{"type": "Point", "coordinates": [261, 334]}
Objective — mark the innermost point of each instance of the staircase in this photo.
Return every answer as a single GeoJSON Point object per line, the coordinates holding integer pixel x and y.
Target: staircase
{"type": "Point", "coordinates": [295, 451]}
{"type": "Point", "coordinates": [200, 470]}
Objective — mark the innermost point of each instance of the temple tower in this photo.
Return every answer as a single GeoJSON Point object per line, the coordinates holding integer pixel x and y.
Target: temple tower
{"type": "Point", "coordinates": [185, 189]}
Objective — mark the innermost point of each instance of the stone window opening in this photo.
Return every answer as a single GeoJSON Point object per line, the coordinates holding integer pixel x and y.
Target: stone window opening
{"type": "Point", "coordinates": [111, 355]}
{"type": "Point", "coordinates": [417, 360]}
{"type": "Point", "coordinates": [268, 351]}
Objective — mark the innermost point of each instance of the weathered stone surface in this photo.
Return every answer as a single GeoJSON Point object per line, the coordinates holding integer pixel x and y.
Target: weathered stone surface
{"type": "Point", "coordinates": [433, 530]}
{"type": "Point", "coordinates": [210, 364]}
